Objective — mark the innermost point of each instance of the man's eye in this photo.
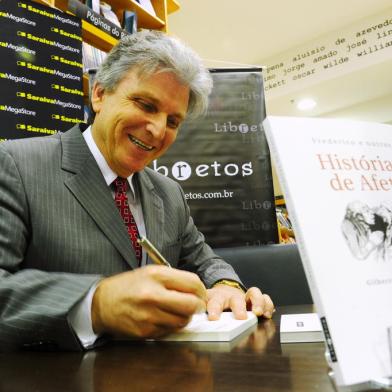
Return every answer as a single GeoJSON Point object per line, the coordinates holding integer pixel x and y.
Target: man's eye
{"type": "Point", "coordinates": [146, 106]}
{"type": "Point", "coordinates": [173, 123]}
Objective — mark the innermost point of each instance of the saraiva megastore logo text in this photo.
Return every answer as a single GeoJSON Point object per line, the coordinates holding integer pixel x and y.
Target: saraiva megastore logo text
{"type": "Point", "coordinates": [182, 170]}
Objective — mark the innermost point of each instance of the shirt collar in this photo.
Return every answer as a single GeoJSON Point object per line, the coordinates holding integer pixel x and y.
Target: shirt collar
{"type": "Point", "coordinates": [108, 174]}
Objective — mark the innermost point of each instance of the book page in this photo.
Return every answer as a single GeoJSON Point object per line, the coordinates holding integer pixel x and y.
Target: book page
{"type": "Point", "coordinates": [202, 329]}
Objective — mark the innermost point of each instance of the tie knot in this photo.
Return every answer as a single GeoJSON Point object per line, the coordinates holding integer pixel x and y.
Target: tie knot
{"type": "Point", "coordinates": [121, 185]}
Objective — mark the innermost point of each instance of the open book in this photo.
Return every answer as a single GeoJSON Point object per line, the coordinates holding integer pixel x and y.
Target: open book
{"type": "Point", "coordinates": [336, 177]}
{"type": "Point", "coordinates": [200, 329]}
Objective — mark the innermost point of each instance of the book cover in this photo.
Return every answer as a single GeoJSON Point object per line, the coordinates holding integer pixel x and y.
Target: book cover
{"type": "Point", "coordinates": [336, 177]}
{"type": "Point", "coordinates": [130, 21]}
{"type": "Point", "coordinates": [94, 5]}
{"type": "Point", "coordinates": [200, 329]}
{"type": "Point", "coordinates": [300, 328]}
{"type": "Point", "coordinates": [106, 11]}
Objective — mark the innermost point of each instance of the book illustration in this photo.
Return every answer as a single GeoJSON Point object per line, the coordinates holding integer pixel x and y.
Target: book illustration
{"type": "Point", "coordinates": [368, 231]}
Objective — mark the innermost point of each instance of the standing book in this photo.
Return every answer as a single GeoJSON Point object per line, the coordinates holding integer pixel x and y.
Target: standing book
{"type": "Point", "coordinates": [336, 177]}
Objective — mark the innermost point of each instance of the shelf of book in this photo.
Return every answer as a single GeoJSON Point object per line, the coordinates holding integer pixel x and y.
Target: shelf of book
{"type": "Point", "coordinates": [96, 37]}
{"type": "Point", "coordinates": [49, 3]}
{"type": "Point", "coordinates": [145, 19]}
{"type": "Point", "coordinates": [102, 40]}
{"type": "Point", "coordinates": [279, 201]}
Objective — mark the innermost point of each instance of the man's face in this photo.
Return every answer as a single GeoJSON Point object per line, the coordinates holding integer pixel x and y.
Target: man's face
{"type": "Point", "coordinates": [368, 215]}
{"type": "Point", "coordinates": [138, 122]}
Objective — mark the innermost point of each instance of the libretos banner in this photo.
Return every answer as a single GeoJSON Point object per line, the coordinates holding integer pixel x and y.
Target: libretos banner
{"type": "Point", "coordinates": [40, 70]}
{"type": "Point", "coordinates": [222, 162]}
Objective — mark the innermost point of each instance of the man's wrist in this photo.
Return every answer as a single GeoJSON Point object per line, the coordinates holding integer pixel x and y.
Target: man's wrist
{"type": "Point", "coordinates": [79, 319]}
{"type": "Point", "coordinates": [231, 283]}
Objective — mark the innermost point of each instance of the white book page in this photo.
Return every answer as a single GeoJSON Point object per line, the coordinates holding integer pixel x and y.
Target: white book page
{"type": "Point", "coordinates": [202, 329]}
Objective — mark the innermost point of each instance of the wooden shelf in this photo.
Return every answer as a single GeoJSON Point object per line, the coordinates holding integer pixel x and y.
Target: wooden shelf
{"type": "Point", "coordinates": [96, 37]}
{"type": "Point", "coordinates": [144, 18]}
{"type": "Point", "coordinates": [49, 3]}
{"type": "Point", "coordinates": [279, 201]}
{"type": "Point", "coordinates": [172, 6]}
{"type": "Point", "coordinates": [103, 41]}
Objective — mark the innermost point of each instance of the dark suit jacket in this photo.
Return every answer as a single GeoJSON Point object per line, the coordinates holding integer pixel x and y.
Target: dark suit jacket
{"type": "Point", "coordinates": [60, 231]}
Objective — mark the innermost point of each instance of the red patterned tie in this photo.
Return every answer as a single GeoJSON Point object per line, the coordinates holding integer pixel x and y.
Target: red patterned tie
{"type": "Point", "coordinates": [121, 199]}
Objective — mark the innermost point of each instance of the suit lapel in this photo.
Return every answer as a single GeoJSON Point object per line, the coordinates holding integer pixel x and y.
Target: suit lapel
{"type": "Point", "coordinates": [153, 209]}
{"type": "Point", "coordinates": [90, 189]}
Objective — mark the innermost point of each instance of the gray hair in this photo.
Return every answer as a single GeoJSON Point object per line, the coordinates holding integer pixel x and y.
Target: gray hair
{"type": "Point", "coordinates": [149, 52]}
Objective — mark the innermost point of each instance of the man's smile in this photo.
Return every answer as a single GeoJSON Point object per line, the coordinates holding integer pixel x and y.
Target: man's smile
{"type": "Point", "coordinates": [140, 144]}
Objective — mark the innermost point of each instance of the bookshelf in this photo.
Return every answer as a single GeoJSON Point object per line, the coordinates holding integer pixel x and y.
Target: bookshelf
{"type": "Point", "coordinates": [145, 19]}
{"type": "Point", "coordinates": [103, 41]}
{"type": "Point", "coordinates": [49, 3]}
{"type": "Point", "coordinates": [96, 37]}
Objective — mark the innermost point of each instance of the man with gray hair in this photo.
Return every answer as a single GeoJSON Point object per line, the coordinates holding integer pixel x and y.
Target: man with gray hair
{"type": "Point", "coordinates": [73, 205]}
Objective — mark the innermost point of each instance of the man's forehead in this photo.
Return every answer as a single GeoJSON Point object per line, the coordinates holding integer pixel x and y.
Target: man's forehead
{"type": "Point", "coordinates": [143, 88]}
{"type": "Point", "coordinates": [143, 74]}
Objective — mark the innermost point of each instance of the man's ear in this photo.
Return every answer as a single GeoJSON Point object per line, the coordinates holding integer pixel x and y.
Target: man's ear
{"type": "Point", "coordinates": [97, 94]}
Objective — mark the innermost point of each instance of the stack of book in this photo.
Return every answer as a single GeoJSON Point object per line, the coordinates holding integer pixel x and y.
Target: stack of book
{"type": "Point", "coordinates": [92, 57]}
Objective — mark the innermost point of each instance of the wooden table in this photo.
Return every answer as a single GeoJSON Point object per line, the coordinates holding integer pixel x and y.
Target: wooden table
{"type": "Point", "coordinates": [255, 361]}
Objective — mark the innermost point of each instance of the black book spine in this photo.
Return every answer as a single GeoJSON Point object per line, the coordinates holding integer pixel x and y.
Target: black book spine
{"type": "Point", "coordinates": [97, 20]}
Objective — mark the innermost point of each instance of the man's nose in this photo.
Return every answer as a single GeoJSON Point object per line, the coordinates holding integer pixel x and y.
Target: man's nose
{"type": "Point", "coordinates": [157, 126]}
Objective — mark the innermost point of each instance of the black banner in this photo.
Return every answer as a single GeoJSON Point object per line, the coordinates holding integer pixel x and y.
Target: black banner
{"type": "Point", "coordinates": [222, 162]}
{"type": "Point", "coordinates": [41, 70]}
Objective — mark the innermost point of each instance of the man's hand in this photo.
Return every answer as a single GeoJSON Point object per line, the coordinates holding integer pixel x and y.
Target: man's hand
{"type": "Point", "coordinates": [222, 297]}
{"type": "Point", "coordinates": [148, 302]}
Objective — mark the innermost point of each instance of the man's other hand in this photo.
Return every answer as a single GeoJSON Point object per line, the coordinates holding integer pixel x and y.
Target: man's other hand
{"type": "Point", "coordinates": [222, 297]}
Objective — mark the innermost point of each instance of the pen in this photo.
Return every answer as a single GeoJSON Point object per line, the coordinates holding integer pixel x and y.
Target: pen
{"type": "Point", "coordinates": [153, 252]}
